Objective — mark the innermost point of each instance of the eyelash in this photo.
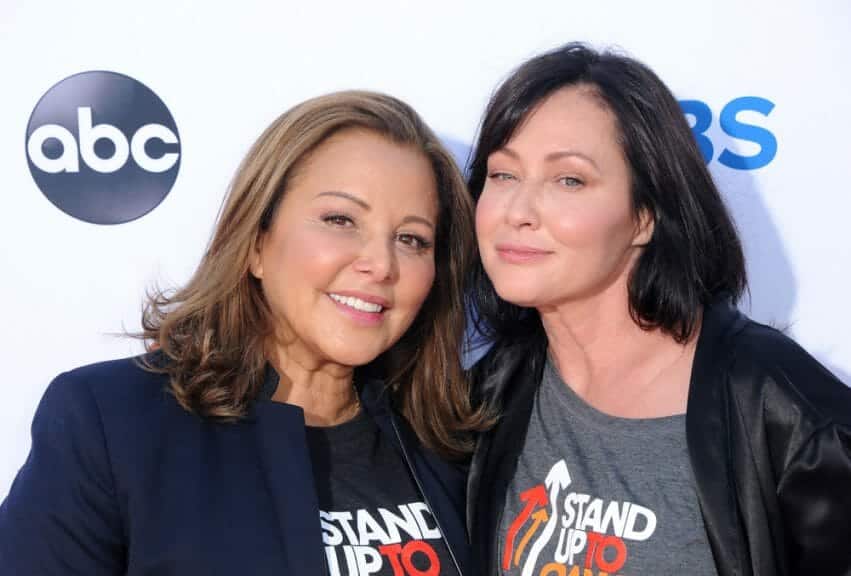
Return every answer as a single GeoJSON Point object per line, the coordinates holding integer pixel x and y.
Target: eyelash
{"type": "Point", "coordinates": [414, 241]}
{"type": "Point", "coordinates": [502, 176]}
{"type": "Point", "coordinates": [571, 181]}
{"type": "Point", "coordinates": [419, 243]}
{"type": "Point", "coordinates": [339, 220]}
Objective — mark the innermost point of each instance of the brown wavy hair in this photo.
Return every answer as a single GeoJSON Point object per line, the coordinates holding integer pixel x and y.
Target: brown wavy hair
{"type": "Point", "coordinates": [212, 332]}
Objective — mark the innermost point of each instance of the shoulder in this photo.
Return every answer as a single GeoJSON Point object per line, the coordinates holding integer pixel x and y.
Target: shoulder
{"type": "Point", "coordinates": [82, 414]}
{"type": "Point", "coordinates": [764, 355]}
{"type": "Point", "coordinates": [796, 416]}
{"type": "Point", "coordinates": [769, 346]}
{"type": "Point", "coordinates": [105, 375]}
{"type": "Point", "coordinates": [107, 384]}
{"type": "Point", "coordinates": [102, 398]}
{"type": "Point", "coordinates": [64, 504]}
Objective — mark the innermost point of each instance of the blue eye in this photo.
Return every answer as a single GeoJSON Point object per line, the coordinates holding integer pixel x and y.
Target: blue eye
{"type": "Point", "coordinates": [501, 176]}
{"type": "Point", "coordinates": [570, 181]}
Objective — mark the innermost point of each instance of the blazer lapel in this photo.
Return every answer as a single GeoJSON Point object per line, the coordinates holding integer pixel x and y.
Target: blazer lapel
{"type": "Point", "coordinates": [287, 469]}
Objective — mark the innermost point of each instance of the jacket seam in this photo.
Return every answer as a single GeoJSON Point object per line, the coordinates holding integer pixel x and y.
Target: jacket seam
{"type": "Point", "coordinates": [113, 490]}
{"type": "Point", "coordinates": [804, 444]}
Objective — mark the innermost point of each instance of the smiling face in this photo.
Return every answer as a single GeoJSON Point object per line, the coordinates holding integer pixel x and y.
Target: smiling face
{"type": "Point", "coordinates": [554, 221]}
{"type": "Point", "coordinates": [348, 260]}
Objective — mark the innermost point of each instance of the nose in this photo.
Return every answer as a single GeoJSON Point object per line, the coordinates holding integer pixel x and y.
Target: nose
{"type": "Point", "coordinates": [377, 258]}
{"type": "Point", "coordinates": [521, 210]}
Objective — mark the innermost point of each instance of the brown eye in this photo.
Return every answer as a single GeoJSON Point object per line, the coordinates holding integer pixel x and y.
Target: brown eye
{"type": "Point", "coordinates": [414, 241]}
{"type": "Point", "coordinates": [338, 220]}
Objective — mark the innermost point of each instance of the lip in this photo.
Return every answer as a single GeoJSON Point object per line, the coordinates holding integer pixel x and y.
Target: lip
{"type": "Point", "coordinates": [520, 253]}
{"type": "Point", "coordinates": [361, 317]}
{"type": "Point", "coordinates": [371, 298]}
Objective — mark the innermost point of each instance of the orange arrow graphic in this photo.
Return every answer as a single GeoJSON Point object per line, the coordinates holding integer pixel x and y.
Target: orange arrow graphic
{"type": "Point", "coordinates": [535, 496]}
{"type": "Point", "coordinates": [539, 518]}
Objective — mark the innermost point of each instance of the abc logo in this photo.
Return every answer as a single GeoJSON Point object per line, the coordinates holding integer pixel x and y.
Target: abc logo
{"type": "Point", "coordinates": [103, 147]}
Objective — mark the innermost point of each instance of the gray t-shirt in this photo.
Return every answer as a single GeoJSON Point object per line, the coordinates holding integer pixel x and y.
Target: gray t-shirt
{"type": "Point", "coordinates": [600, 493]}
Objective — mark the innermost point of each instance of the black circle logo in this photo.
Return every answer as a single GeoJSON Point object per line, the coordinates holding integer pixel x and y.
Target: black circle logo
{"type": "Point", "coordinates": [102, 147]}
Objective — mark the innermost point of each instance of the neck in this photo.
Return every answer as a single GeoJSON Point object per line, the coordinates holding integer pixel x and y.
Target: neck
{"type": "Point", "coordinates": [588, 336]}
{"type": "Point", "coordinates": [324, 390]}
{"type": "Point", "coordinates": [614, 364]}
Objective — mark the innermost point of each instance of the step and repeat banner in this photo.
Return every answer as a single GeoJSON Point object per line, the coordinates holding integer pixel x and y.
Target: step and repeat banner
{"type": "Point", "coordinates": [122, 123]}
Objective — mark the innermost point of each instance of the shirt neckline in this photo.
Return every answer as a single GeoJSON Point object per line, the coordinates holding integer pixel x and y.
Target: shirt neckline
{"type": "Point", "coordinates": [553, 384]}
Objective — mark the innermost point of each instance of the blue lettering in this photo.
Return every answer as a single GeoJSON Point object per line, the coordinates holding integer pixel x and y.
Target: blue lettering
{"type": "Point", "coordinates": [747, 132]}
{"type": "Point", "coordinates": [702, 120]}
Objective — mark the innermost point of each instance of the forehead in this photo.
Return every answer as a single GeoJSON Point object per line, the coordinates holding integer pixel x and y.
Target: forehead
{"type": "Point", "coordinates": [573, 118]}
{"type": "Point", "coordinates": [369, 165]}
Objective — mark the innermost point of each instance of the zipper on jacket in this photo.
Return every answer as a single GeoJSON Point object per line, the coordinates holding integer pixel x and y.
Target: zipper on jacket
{"type": "Point", "coordinates": [425, 496]}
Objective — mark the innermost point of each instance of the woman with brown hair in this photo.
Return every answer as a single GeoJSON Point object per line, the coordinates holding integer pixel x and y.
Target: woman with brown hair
{"type": "Point", "coordinates": [261, 433]}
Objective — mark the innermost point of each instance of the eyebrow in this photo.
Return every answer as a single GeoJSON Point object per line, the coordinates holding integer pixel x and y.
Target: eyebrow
{"type": "Point", "coordinates": [552, 156]}
{"type": "Point", "coordinates": [419, 219]}
{"type": "Point", "coordinates": [362, 203]}
{"type": "Point", "coordinates": [365, 205]}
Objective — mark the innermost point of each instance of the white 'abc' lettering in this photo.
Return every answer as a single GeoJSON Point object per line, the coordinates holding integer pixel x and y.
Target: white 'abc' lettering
{"type": "Point", "coordinates": [68, 161]}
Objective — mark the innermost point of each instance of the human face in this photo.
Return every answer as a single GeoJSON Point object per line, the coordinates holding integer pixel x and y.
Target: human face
{"type": "Point", "coordinates": [348, 260]}
{"type": "Point", "coordinates": [555, 222]}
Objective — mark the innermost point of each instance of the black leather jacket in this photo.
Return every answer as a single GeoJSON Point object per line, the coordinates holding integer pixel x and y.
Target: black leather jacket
{"type": "Point", "coordinates": [769, 438]}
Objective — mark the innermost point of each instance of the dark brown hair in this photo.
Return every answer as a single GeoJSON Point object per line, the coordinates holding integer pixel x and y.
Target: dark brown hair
{"type": "Point", "coordinates": [213, 331]}
{"type": "Point", "coordinates": [695, 254]}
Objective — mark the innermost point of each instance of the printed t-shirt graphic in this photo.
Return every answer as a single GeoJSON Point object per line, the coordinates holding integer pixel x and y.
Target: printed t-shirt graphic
{"type": "Point", "coordinates": [576, 529]}
{"type": "Point", "coordinates": [374, 520]}
{"type": "Point", "coordinates": [599, 495]}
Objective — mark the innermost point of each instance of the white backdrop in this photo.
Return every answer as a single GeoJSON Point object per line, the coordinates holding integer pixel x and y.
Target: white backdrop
{"type": "Point", "coordinates": [68, 286]}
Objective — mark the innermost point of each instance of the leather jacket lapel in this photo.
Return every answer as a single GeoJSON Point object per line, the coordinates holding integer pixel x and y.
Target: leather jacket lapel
{"type": "Point", "coordinates": [508, 384]}
{"type": "Point", "coordinates": [708, 417]}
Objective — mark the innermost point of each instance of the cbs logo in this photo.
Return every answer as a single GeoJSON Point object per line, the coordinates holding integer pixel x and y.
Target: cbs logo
{"type": "Point", "coordinates": [700, 119]}
{"type": "Point", "coordinates": [103, 147]}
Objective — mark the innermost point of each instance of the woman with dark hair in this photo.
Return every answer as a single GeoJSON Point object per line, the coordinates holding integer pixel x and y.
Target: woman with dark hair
{"type": "Point", "coordinates": [646, 425]}
{"type": "Point", "coordinates": [302, 402]}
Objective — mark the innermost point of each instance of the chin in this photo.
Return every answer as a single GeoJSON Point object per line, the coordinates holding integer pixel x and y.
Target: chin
{"type": "Point", "coordinates": [519, 295]}
{"type": "Point", "coordinates": [352, 356]}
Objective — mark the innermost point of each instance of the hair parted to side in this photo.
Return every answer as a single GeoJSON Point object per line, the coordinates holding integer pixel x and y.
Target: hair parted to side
{"type": "Point", "coordinates": [695, 254]}
{"type": "Point", "coordinates": [213, 331]}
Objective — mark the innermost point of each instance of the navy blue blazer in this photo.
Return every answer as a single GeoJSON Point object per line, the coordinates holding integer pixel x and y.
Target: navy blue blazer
{"type": "Point", "coordinates": [122, 480]}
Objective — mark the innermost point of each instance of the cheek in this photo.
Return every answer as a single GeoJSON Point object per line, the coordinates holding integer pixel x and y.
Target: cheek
{"type": "Point", "coordinates": [426, 280]}
{"type": "Point", "coordinates": [487, 215]}
{"type": "Point", "coordinates": [299, 264]}
{"type": "Point", "coordinates": [319, 253]}
{"type": "Point", "coordinates": [587, 226]}
{"type": "Point", "coordinates": [417, 278]}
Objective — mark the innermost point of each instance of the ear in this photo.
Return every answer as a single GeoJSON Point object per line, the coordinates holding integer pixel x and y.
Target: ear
{"type": "Point", "coordinates": [645, 226]}
{"type": "Point", "coordinates": [255, 260]}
